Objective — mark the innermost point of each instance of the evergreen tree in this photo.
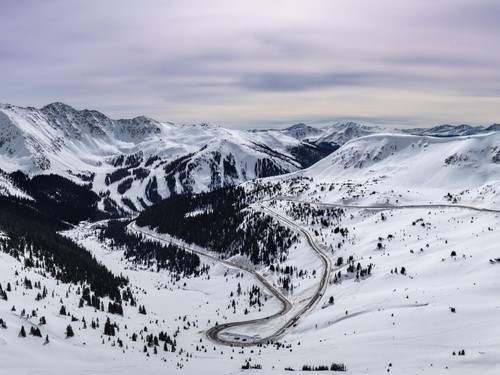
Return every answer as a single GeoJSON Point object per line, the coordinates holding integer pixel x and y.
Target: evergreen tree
{"type": "Point", "coordinates": [35, 331]}
{"type": "Point", "coordinates": [109, 329]}
{"type": "Point", "coordinates": [69, 331]}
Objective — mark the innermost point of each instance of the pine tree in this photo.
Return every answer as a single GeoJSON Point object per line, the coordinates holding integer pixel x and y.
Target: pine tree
{"type": "Point", "coordinates": [35, 332]}
{"type": "Point", "coordinates": [109, 329]}
{"type": "Point", "coordinates": [69, 331]}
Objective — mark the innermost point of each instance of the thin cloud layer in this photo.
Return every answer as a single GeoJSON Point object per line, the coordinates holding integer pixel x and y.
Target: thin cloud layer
{"type": "Point", "coordinates": [246, 64]}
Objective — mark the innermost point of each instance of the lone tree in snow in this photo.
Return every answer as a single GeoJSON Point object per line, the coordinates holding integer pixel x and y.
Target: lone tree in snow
{"type": "Point", "coordinates": [69, 331]}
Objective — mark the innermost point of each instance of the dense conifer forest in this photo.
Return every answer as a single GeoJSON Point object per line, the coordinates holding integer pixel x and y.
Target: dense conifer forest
{"type": "Point", "coordinates": [220, 221]}
{"type": "Point", "coordinates": [64, 199]}
{"type": "Point", "coordinates": [150, 253]}
{"type": "Point", "coordinates": [32, 234]}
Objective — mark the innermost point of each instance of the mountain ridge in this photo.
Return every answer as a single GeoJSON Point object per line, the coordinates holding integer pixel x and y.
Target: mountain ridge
{"type": "Point", "coordinates": [134, 160]}
{"type": "Point", "coordinates": [131, 163]}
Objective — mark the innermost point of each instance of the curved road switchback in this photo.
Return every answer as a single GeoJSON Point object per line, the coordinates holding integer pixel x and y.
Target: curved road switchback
{"type": "Point", "coordinates": [215, 332]}
{"type": "Point", "coordinates": [325, 276]}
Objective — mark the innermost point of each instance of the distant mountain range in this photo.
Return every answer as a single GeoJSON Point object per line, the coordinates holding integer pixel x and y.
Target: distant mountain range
{"type": "Point", "coordinates": [453, 130]}
{"type": "Point", "coordinates": [133, 163]}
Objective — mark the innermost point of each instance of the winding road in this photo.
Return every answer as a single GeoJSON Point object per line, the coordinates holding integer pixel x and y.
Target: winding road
{"type": "Point", "coordinates": [384, 206]}
{"type": "Point", "coordinates": [323, 283]}
{"type": "Point", "coordinates": [216, 332]}
{"type": "Point", "coordinates": [213, 333]}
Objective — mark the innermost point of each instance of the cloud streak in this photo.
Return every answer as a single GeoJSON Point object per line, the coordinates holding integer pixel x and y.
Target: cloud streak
{"type": "Point", "coordinates": [242, 64]}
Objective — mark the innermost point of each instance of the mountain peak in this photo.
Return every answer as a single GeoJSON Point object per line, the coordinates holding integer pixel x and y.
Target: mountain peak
{"type": "Point", "coordinates": [58, 107]}
{"type": "Point", "coordinates": [302, 131]}
{"type": "Point", "coordinates": [493, 128]}
{"type": "Point", "coordinates": [348, 125]}
{"type": "Point", "coordinates": [300, 125]}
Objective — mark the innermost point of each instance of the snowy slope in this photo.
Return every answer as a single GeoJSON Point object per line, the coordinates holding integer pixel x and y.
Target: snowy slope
{"type": "Point", "coordinates": [417, 169]}
{"type": "Point", "coordinates": [449, 130]}
{"type": "Point", "coordinates": [432, 292]}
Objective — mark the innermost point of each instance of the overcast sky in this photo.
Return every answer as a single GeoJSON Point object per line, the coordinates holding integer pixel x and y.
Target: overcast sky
{"type": "Point", "coordinates": [257, 63]}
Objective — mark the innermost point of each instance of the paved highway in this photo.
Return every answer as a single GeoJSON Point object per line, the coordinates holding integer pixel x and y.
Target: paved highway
{"type": "Point", "coordinates": [384, 206]}
{"type": "Point", "coordinates": [214, 333]}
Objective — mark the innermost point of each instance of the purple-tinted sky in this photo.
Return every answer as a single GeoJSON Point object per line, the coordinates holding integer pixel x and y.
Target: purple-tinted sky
{"type": "Point", "coordinates": [257, 63]}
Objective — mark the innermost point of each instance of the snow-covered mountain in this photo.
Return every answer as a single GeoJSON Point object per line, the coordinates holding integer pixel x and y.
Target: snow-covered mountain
{"type": "Point", "coordinates": [453, 130]}
{"type": "Point", "coordinates": [339, 133]}
{"type": "Point", "coordinates": [303, 132]}
{"type": "Point", "coordinates": [132, 163]}
{"type": "Point", "coordinates": [419, 168]}
{"type": "Point", "coordinates": [328, 137]}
